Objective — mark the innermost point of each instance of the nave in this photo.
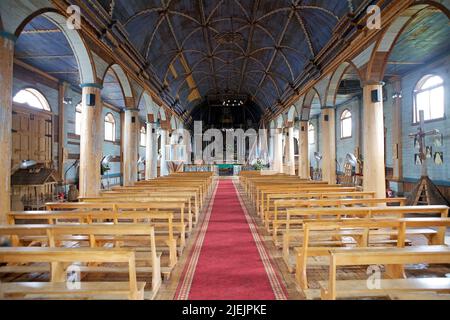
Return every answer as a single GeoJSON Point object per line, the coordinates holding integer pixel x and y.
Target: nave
{"type": "Point", "coordinates": [224, 149]}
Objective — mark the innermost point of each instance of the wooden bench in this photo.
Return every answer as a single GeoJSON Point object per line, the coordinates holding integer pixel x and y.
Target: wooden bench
{"type": "Point", "coordinates": [362, 230]}
{"type": "Point", "coordinates": [268, 206]}
{"type": "Point", "coordinates": [287, 204]}
{"type": "Point", "coordinates": [58, 287]}
{"type": "Point", "coordinates": [150, 204]}
{"type": "Point", "coordinates": [180, 226]}
{"type": "Point", "coordinates": [292, 236]}
{"type": "Point", "coordinates": [391, 257]}
{"type": "Point", "coordinates": [140, 238]}
{"type": "Point", "coordinates": [162, 221]}
{"type": "Point", "coordinates": [192, 201]}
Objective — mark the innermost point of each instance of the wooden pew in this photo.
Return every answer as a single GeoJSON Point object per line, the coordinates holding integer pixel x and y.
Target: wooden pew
{"type": "Point", "coordinates": [93, 236]}
{"type": "Point", "coordinates": [279, 217]}
{"type": "Point", "coordinates": [140, 194]}
{"type": "Point", "coordinates": [333, 289]}
{"type": "Point", "coordinates": [263, 192]}
{"type": "Point", "coordinates": [162, 221]}
{"type": "Point", "coordinates": [268, 206]}
{"type": "Point", "coordinates": [362, 230]}
{"type": "Point", "coordinates": [291, 237]}
{"type": "Point", "coordinates": [179, 226]}
{"type": "Point", "coordinates": [189, 210]}
{"type": "Point", "coordinates": [59, 259]}
{"type": "Point", "coordinates": [149, 204]}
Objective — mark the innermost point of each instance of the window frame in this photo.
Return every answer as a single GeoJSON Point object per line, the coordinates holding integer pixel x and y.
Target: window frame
{"type": "Point", "coordinates": [143, 131]}
{"type": "Point", "coordinates": [38, 95]}
{"type": "Point", "coordinates": [78, 110]}
{"type": "Point", "coordinates": [418, 89]}
{"type": "Point", "coordinates": [343, 118]}
{"type": "Point", "coordinates": [313, 140]}
{"type": "Point", "coordinates": [112, 120]}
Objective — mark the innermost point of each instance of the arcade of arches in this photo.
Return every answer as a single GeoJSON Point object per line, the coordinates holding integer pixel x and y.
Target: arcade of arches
{"type": "Point", "coordinates": [200, 144]}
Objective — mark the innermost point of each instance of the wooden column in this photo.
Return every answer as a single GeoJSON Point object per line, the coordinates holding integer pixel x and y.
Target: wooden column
{"type": "Point", "coordinates": [187, 143]}
{"type": "Point", "coordinates": [271, 147]}
{"type": "Point", "coordinates": [397, 132]}
{"type": "Point", "coordinates": [303, 148]}
{"type": "Point", "coordinates": [151, 152]}
{"type": "Point", "coordinates": [91, 140]}
{"type": "Point", "coordinates": [164, 170]}
{"type": "Point", "coordinates": [373, 135]}
{"type": "Point", "coordinates": [328, 125]}
{"type": "Point", "coordinates": [278, 151]}
{"type": "Point", "coordinates": [130, 152]}
{"type": "Point", "coordinates": [290, 161]}
{"type": "Point", "coordinates": [6, 77]}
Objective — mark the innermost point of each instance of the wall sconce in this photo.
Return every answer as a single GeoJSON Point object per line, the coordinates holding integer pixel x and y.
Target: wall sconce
{"type": "Point", "coordinates": [397, 95]}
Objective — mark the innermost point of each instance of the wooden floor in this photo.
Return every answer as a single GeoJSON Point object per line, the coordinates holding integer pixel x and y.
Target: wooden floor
{"type": "Point", "coordinates": [169, 286]}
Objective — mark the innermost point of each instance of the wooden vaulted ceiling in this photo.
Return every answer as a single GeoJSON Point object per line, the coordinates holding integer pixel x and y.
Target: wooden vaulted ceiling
{"type": "Point", "coordinates": [255, 47]}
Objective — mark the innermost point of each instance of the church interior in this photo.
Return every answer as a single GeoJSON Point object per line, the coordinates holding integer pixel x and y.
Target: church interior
{"type": "Point", "coordinates": [224, 149]}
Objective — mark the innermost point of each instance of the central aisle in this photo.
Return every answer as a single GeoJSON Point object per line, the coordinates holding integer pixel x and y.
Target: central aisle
{"type": "Point", "coordinates": [229, 260]}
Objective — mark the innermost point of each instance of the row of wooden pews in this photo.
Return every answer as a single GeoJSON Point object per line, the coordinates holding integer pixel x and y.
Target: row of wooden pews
{"type": "Point", "coordinates": [132, 235]}
{"type": "Point", "coordinates": [317, 224]}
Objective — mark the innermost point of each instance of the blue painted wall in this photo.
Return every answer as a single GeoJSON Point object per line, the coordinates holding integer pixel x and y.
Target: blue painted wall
{"type": "Point", "coordinates": [71, 144]}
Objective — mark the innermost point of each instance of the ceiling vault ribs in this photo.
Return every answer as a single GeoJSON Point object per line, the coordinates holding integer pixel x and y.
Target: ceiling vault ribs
{"type": "Point", "coordinates": [205, 31]}
{"type": "Point", "coordinates": [305, 31]}
{"type": "Point", "coordinates": [249, 44]}
{"type": "Point", "coordinates": [277, 48]}
{"type": "Point", "coordinates": [259, 48]}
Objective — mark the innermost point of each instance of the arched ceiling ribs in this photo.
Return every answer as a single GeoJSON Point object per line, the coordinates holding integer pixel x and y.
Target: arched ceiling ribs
{"type": "Point", "coordinates": [139, 14]}
{"type": "Point", "coordinates": [274, 84]}
{"type": "Point", "coordinates": [288, 65]}
{"type": "Point", "coordinates": [272, 73]}
{"type": "Point", "coordinates": [268, 14]}
{"type": "Point", "coordinates": [206, 37]}
{"type": "Point", "coordinates": [234, 44]}
{"type": "Point", "coordinates": [243, 9]}
{"type": "Point", "coordinates": [255, 50]}
{"type": "Point", "coordinates": [280, 40]}
{"type": "Point", "coordinates": [190, 35]}
{"type": "Point", "coordinates": [249, 44]}
{"type": "Point", "coordinates": [149, 41]}
{"type": "Point", "coordinates": [177, 13]}
{"type": "Point", "coordinates": [183, 83]}
{"type": "Point", "coordinates": [213, 11]}
{"type": "Point", "coordinates": [177, 55]}
{"type": "Point", "coordinates": [302, 7]}
{"type": "Point", "coordinates": [307, 35]}
{"type": "Point", "coordinates": [229, 19]}
{"type": "Point", "coordinates": [225, 51]}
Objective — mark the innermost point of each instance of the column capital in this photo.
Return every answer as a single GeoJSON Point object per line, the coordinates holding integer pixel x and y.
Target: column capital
{"type": "Point", "coordinates": [373, 83]}
{"type": "Point", "coordinates": [91, 85]}
{"type": "Point", "coordinates": [10, 36]}
{"type": "Point", "coordinates": [327, 107]}
{"type": "Point", "coordinates": [131, 110]}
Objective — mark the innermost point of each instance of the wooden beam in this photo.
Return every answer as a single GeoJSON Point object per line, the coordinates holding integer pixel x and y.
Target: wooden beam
{"type": "Point", "coordinates": [405, 62]}
{"type": "Point", "coordinates": [41, 31]}
{"type": "Point", "coordinates": [45, 56]}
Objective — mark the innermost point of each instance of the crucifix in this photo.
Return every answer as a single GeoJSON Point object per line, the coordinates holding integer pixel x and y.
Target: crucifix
{"type": "Point", "coordinates": [425, 192]}
{"type": "Point", "coordinates": [420, 136]}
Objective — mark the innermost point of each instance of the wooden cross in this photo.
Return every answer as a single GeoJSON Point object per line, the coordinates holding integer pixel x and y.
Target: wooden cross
{"type": "Point", "coordinates": [420, 137]}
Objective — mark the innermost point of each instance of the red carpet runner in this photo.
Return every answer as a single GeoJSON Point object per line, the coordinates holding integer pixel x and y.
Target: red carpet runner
{"type": "Point", "coordinates": [229, 260]}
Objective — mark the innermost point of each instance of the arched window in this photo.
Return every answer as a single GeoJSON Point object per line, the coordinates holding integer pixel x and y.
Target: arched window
{"type": "Point", "coordinates": [311, 134]}
{"type": "Point", "coordinates": [143, 136]}
{"type": "Point", "coordinates": [78, 119]}
{"type": "Point", "coordinates": [110, 128]}
{"type": "Point", "coordinates": [32, 98]}
{"type": "Point", "coordinates": [429, 97]}
{"type": "Point", "coordinates": [346, 124]}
